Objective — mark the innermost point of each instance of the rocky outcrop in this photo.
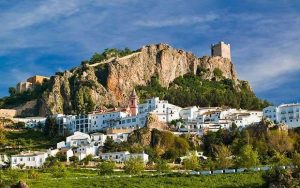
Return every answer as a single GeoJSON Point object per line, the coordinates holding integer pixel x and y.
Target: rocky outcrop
{"type": "Point", "coordinates": [62, 96]}
{"type": "Point", "coordinates": [145, 135]}
{"type": "Point", "coordinates": [163, 61]}
{"type": "Point", "coordinates": [109, 83]}
{"type": "Point", "coordinates": [216, 62]}
{"type": "Point", "coordinates": [154, 123]}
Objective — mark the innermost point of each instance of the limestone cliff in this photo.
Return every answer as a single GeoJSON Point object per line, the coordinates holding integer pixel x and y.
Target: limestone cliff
{"type": "Point", "coordinates": [165, 62]}
{"type": "Point", "coordinates": [108, 83]}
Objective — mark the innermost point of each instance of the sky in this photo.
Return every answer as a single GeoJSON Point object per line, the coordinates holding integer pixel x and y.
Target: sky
{"type": "Point", "coordinates": [46, 36]}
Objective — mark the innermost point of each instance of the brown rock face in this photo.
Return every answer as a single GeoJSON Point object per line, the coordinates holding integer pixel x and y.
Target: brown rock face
{"type": "Point", "coordinates": [163, 61]}
{"type": "Point", "coordinates": [109, 83]}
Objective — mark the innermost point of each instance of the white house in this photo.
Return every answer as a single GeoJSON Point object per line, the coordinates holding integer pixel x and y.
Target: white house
{"type": "Point", "coordinates": [28, 159]}
{"type": "Point", "coordinates": [189, 113]}
{"type": "Point", "coordinates": [165, 111]}
{"type": "Point", "coordinates": [118, 157]}
{"type": "Point", "coordinates": [100, 138]}
{"type": "Point", "coordinates": [83, 151]}
{"type": "Point", "coordinates": [288, 114]}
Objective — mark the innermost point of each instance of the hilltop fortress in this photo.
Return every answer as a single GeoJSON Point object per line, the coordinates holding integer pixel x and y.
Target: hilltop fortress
{"type": "Point", "coordinates": [221, 49]}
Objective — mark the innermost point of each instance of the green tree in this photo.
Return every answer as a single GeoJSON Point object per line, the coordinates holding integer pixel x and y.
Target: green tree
{"type": "Point", "coordinates": [296, 159]}
{"type": "Point", "coordinates": [59, 171]}
{"type": "Point", "coordinates": [134, 165]}
{"type": "Point", "coordinates": [3, 138]}
{"type": "Point", "coordinates": [248, 157]}
{"type": "Point", "coordinates": [109, 145]}
{"type": "Point", "coordinates": [83, 102]}
{"type": "Point", "coordinates": [106, 167]}
{"type": "Point", "coordinates": [162, 166]}
{"type": "Point", "coordinates": [61, 157]}
{"type": "Point", "coordinates": [279, 159]}
{"type": "Point", "coordinates": [50, 162]}
{"type": "Point", "coordinates": [280, 141]}
{"type": "Point", "coordinates": [191, 162]}
{"type": "Point", "coordinates": [218, 73]}
{"type": "Point", "coordinates": [223, 156]}
{"type": "Point", "coordinates": [87, 159]}
{"type": "Point", "coordinates": [12, 91]}
{"type": "Point", "coordinates": [51, 127]}
{"type": "Point", "coordinates": [74, 160]}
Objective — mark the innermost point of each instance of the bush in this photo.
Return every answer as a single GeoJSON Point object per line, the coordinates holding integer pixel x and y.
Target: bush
{"type": "Point", "coordinates": [106, 167]}
{"type": "Point", "coordinates": [74, 160]}
{"type": "Point", "coordinates": [134, 166]}
{"type": "Point", "coordinates": [162, 166]}
{"type": "Point", "coordinates": [59, 171]}
{"type": "Point", "coordinates": [278, 177]}
{"type": "Point", "coordinates": [61, 157]}
{"type": "Point", "coordinates": [87, 159]}
{"type": "Point", "coordinates": [191, 163]}
{"type": "Point", "coordinates": [33, 174]}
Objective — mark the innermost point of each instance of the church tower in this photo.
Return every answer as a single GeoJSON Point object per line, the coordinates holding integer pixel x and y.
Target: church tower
{"type": "Point", "coordinates": [133, 103]}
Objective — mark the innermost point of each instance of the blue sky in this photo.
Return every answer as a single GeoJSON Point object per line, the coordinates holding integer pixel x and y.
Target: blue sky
{"type": "Point", "coordinates": [43, 37]}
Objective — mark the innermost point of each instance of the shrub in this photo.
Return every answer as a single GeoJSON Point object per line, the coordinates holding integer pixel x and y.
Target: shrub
{"type": "Point", "coordinates": [134, 166]}
{"type": "Point", "coordinates": [248, 157]}
{"type": "Point", "coordinates": [191, 163]}
{"type": "Point", "coordinates": [106, 167]}
{"type": "Point", "coordinates": [162, 166]}
{"type": "Point", "coordinates": [33, 174]}
{"type": "Point", "coordinates": [59, 171]}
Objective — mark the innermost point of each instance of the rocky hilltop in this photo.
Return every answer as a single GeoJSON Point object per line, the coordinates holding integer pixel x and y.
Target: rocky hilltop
{"type": "Point", "coordinates": [108, 83]}
{"type": "Point", "coordinates": [154, 70]}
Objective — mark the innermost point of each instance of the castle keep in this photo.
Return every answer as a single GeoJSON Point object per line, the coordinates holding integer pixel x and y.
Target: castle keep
{"type": "Point", "coordinates": [221, 49]}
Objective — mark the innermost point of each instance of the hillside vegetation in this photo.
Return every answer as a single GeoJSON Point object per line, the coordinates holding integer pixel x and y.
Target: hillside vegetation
{"type": "Point", "coordinates": [191, 90]}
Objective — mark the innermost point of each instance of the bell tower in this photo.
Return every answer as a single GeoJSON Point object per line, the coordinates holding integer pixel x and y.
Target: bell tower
{"type": "Point", "coordinates": [133, 103]}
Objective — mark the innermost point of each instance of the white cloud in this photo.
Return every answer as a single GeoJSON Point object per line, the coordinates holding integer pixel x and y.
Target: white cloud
{"type": "Point", "coordinates": [49, 10]}
{"type": "Point", "coordinates": [177, 21]}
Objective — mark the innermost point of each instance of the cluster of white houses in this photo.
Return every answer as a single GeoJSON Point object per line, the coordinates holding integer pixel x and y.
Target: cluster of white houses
{"type": "Point", "coordinates": [80, 145]}
{"type": "Point", "coordinates": [86, 139]}
{"type": "Point", "coordinates": [193, 119]}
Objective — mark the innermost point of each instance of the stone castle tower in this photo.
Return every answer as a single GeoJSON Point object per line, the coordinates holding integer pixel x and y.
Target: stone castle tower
{"type": "Point", "coordinates": [221, 49]}
{"type": "Point", "coordinates": [133, 103]}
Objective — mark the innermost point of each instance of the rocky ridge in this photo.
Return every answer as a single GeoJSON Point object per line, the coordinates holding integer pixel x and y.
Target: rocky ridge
{"type": "Point", "coordinates": [109, 83]}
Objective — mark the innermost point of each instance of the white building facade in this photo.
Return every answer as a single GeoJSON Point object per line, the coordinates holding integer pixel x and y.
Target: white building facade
{"type": "Point", "coordinates": [288, 114]}
{"type": "Point", "coordinates": [28, 160]}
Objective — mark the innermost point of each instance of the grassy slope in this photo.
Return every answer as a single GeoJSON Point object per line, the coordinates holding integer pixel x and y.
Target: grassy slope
{"type": "Point", "coordinates": [223, 180]}
{"type": "Point", "coordinates": [29, 140]}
